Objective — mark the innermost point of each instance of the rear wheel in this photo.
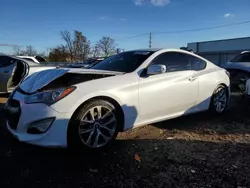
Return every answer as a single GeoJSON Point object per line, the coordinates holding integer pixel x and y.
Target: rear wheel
{"type": "Point", "coordinates": [219, 100]}
{"type": "Point", "coordinates": [94, 126]}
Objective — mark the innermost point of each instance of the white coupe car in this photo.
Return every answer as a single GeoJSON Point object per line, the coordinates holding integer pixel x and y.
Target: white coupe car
{"type": "Point", "coordinates": [88, 107]}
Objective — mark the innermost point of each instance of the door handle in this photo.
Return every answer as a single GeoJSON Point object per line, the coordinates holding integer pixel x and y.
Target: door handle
{"type": "Point", "coordinates": [191, 79]}
{"type": "Point", "coordinates": [6, 71]}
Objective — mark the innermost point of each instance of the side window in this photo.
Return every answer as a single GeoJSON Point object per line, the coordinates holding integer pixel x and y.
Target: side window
{"type": "Point", "coordinates": [6, 61]}
{"type": "Point", "coordinates": [174, 61]}
{"type": "Point", "coordinates": [197, 63]}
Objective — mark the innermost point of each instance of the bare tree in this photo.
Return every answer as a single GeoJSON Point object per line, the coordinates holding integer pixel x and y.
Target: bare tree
{"type": "Point", "coordinates": [106, 46]}
{"type": "Point", "coordinates": [42, 54]}
{"type": "Point", "coordinates": [81, 46]}
{"type": "Point", "coordinates": [66, 36]}
{"type": "Point", "coordinates": [59, 54]}
{"type": "Point", "coordinates": [86, 50]}
{"type": "Point", "coordinates": [17, 50]}
{"type": "Point", "coordinates": [30, 51]}
{"type": "Point", "coordinates": [78, 47]}
{"type": "Point", "coordinates": [95, 51]}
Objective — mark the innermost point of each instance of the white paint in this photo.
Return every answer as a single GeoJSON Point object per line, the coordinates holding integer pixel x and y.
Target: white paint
{"type": "Point", "coordinates": [41, 79]}
{"type": "Point", "coordinates": [31, 58]}
{"type": "Point", "coordinates": [247, 92]}
{"type": "Point", "coordinates": [143, 100]}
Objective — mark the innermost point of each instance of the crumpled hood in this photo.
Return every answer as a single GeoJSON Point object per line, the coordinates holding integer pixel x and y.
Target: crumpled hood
{"type": "Point", "coordinates": [40, 79]}
{"type": "Point", "coordinates": [245, 66]}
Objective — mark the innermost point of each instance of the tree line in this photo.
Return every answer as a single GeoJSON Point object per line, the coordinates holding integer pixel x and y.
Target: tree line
{"type": "Point", "coordinates": [76, 48]}
{"type": "Point", "coordinates": [28, 50]}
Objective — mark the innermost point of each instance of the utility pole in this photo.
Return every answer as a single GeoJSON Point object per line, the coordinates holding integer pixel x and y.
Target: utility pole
{"type": "Point", "coordinates": [150, 40]}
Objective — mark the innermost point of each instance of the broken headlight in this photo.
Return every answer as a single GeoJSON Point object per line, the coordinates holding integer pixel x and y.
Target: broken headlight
{"type": "Point", "coordinates": [49, 97]}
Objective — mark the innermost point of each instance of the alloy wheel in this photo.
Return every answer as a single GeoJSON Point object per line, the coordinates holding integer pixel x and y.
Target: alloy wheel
{"type": "Point", "coordinates": [220, 100]}
{"type": "Point", "coordinates": [97, 126]}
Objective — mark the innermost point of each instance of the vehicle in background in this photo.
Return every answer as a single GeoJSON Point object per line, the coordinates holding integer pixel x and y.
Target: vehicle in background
{"type": "Point", "coordinates": [13, 70]}
{"type": "Point", "coordinates": [239, 69]}
{"type": "Point", "coordinates": [88, 107]}
{"type": "Point", "coordinates": [87, 64]}
{"type": "Point", "coordinates": [98, 60]}
{"type": "Point", "coordinates": [35, 59]}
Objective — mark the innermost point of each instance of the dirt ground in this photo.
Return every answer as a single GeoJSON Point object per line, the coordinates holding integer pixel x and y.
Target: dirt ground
{"type": "Point", "coordinates": [194, 151]}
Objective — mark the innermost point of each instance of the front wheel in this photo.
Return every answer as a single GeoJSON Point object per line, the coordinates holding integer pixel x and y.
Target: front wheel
{"type": "Point", "coordinates": [94, 126]}
{"type": "Point", "coordinates": [219, 100]}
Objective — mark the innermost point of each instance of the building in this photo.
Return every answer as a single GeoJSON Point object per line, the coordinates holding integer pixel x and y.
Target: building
{"type": "Point", "coordinates": [220, 51]}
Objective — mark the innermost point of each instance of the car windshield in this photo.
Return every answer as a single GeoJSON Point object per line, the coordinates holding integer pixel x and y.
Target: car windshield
{"type": "Point", "coordinates": [124, 62]}
{"type": "Point", "coordinates": [245, 57]}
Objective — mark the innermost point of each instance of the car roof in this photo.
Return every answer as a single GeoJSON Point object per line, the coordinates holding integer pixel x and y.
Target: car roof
{"type": "Point", "coordinates": [161, 49]}
{"type": "Point", "coordinates": [245, 52]}
{"type": "Point", "coordinates": [146, 50]}
{"type": "Point", "coordinates": [25, 56]}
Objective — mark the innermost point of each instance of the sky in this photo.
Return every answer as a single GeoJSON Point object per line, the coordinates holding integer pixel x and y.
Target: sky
{"type": "Point", "coordinates": [39, 22]}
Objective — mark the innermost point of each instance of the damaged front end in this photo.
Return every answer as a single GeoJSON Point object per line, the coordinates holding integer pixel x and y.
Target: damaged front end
{"type": "Point", "coordinates": [70, 79]}
{"type": "Point", "coordinates": [50, 86]}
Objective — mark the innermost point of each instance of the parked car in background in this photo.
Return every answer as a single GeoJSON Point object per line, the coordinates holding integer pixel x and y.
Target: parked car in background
{"type": "Point", "coordinates": [35, 59]}
{"type": "Point", "coordinates": [239, 68]}
{"type": "Point", "coordinates": [88, 107]}
{"type": "Point", "coordinates": [87, 64]}
{"type": "Point", "coordinates": [13, 70]}
{"type": "Point", "coordinates": [98, 60]}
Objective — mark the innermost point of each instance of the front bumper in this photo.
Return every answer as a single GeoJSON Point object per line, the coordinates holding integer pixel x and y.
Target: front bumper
{"type": "Point", "coordinates": [19, 116]}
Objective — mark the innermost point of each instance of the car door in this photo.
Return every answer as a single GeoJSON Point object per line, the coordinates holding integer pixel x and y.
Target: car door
{"type": "Point", "coordinates": [171, 93]}
{"type": "Point", "coordinates": [7, 67]}
{"type": "Point", "coordinates": [208, 81]}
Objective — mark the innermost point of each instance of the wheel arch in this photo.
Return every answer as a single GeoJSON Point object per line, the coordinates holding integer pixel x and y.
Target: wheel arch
{"type": "Point", "coordinates": [227, 93]}
{"type": "Point", "coordinates": [106, 98]}
{"type": "Point", "coordinates": [225, 85]}
{"type": "Point", "coordinates": [213, 91]}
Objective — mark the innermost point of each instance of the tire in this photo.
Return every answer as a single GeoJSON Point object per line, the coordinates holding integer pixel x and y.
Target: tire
{"type": "Point", "coordinates": [219, 100]}
{"type": "Point", "coordinates": [94, 126]}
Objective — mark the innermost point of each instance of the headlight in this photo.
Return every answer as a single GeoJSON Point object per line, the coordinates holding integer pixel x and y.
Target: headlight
{"type": "Point", "coordinates": [49, 97]}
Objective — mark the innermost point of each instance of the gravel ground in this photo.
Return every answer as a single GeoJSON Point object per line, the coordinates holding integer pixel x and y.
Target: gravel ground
{"type": "Point", "coordinates": [193, 151]}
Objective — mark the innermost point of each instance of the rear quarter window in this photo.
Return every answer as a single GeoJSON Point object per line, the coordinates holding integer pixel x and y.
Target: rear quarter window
{"type": "Point", "coordinates": [197, 63]}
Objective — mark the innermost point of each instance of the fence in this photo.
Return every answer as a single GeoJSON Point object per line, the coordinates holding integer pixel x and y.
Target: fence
{"type": "Point", "coordinates": [55, 64]}
{"type": "Point", "coordinates": [219, 58]}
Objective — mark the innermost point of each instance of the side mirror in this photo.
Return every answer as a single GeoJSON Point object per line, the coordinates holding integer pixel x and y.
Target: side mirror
{"type": "Point", "coordinates": [156, 69]}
